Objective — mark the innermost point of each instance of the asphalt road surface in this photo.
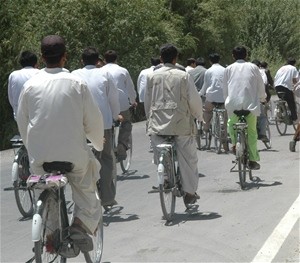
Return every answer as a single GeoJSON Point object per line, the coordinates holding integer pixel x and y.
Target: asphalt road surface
{"type": "Point", "coordinates": [260, 224]}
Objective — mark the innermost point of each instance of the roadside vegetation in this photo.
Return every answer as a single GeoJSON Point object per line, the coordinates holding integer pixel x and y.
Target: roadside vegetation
{"type": "Point", "coordinates": [136, 28]}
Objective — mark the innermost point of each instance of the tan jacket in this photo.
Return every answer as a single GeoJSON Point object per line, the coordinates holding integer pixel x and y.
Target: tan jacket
{"type": "Point", "coordinates": [171, 102]}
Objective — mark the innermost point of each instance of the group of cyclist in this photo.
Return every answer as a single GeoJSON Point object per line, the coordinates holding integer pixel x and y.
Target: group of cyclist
{"type": "Point", "coordinates": [57, 111]}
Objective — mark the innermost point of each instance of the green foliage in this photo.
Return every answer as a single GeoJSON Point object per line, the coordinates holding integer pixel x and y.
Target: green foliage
{"type": "Point", "coordinates": [136, 29]}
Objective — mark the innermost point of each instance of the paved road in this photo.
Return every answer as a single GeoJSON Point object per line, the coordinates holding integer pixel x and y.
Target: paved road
{"type": "Point", "coordinates": [260, 224]}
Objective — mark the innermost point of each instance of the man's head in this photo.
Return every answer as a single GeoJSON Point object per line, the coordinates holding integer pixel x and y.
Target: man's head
{"type": "Point", "coordinates": [110, 56]}
{"type": "Point", "coordinates": [155, 61]}
{"type": "Point", "coordinates": [191, 62]}
{"type": "Point", "coordinates": [239, 52]}
{"type": "Point", "coordinates": [214, 58]}
{"type": "Point", "coordinates": [168, 53]}
{"type": "Point", "coordinates": [200, 61]}
{"type": "Point", "coordinates": [28, 59]}
{"type": "Point", "coordinates": [256, 62]}
{"type": "Point", "coordinates": [291, 61]}
{"type": "Point", "coordinates": [53, 49]}
{"type": "Point", "coordinates": [90, 56]}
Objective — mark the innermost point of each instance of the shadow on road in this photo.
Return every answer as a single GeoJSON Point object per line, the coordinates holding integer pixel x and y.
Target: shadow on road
{"type": "Point", "coordinates": [114, 216]}
{"type": "Point", "coordinates": [192, 215]}
{"type": "Point", "coordinates": [258, 183]}
{"type": "Point", "coordinates": [131, 176]}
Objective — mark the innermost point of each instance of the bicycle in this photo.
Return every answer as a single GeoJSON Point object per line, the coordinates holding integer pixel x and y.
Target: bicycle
{"type": "Point", "coordinates": [282, 114]}
{"type": "Point", "coordinates": [242, 155]}
{"type": "Point", "coordinates": [50, 224]}
{"type": "Point", "coordinates": [219, 128]}
{"type": "Point", "coordinates": [20, 173]}
{"type": "Point", "coordinates": [169, 177]}
{"type": "Point", "coordinates": [125, 164]}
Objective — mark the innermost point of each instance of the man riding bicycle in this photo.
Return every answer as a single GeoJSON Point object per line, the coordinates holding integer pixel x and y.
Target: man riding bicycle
{"type": "Point", "coordinates": [243, 89]}
{"type": "Point", "coordinates": [171, 105]}
{"type": "Point", "coordinates": [56, 115]}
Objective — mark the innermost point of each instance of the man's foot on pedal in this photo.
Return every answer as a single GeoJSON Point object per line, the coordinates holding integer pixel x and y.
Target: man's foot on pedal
{"type": "Point", "coordinates": [253, 165]}
{"type": "Point", "coordinates": [190, 199]}
{"type": "Point", "coordinates": [81, 238]}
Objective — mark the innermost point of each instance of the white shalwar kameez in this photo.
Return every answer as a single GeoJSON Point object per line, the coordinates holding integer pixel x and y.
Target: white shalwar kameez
{"type": "Point", "coordinates": [56, 115]}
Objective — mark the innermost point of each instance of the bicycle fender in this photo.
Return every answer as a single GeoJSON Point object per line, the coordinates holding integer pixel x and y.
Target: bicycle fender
{"type": "Point", "coordinates": [160, 173]}
{"type": "Point", "coordinates": [15, 171]}
{"type": "Point", "coordinates": [37, 223]}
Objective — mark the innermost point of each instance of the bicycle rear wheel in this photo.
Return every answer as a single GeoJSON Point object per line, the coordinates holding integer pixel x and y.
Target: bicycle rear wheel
{"type": "Point", "coordinates": [167, 198]}
{"type": "Point", "coordinates": [95, 255]}
{"type": "Point", "coordinates": [268, 133]}
{"type": "Point", "coordinates": [242, 159]}
{"type": "Point", "coordinates": [199, 134]}
{"type": "Point", "coordinates": [125, 164]}
{"type": "Point", "coordinates": [218, 135]}
{"type": "Point", "coordinates": [46, 249]}
{"type": "Point", "coordinates": [20, 173]}
{"type": "Point", "coordinates": [281, 125]}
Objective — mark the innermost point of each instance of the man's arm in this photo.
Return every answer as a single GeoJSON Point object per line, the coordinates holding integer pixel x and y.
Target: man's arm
{"type": "Point", "coordinates": [23, 116]}
{"type": "Point", "coordinates": [92, 120]}
{"type": "Point", "coordinates": [194, 99]}
{"type": "Point", "coordinates": [113, 97]}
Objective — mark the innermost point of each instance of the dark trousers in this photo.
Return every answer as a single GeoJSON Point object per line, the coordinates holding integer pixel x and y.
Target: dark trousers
{"type": "Point", "coordinates": [289, 98]}
{"type": "Point", "coordinates": [108, 170]}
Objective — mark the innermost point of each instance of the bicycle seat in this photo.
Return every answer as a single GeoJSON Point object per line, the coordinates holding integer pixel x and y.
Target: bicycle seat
{"type": "Point", "coordinates": [63, 167]}
{"type": "Point", "coordinates": [241, 113]}
{"type": "Point", "coordinates": [218, 104]}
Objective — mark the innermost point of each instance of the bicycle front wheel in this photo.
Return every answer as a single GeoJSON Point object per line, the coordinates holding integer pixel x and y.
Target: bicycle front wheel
{"type": "Point", "coordinates": [23, 195]}
{"type": "Point", "coordinates": [281, 125]}
{"type": "Point", "coordinates": [241, 156]}
{"type": "Point", "coordinates": [46, 249]}
{"type": "Point", "coordinates": [167, 198]}
{"type": "Point", "coordinates": [95, 255]}
{"type": "Point", "coordinates": [125, 164]}
{"type": "Point", "coordinates": [268, 133]}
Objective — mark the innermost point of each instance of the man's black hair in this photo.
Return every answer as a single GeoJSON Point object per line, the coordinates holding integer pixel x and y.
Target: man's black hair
{"type": "Point", "coordinates": [90, 56]}
{"type": "Point", "coordinates": [200, 61]}
{"type": "Point", "coordinates": [239, 52]}
{"type": "Point", "coordinates": [190, 61]}
{"type": "Point", "coordinates": [291, 61]}
{"type": "Point", "coordinates": [168, 53]}
{"type": "Point", "coordinates": [214, 58]}
{"type": "Point", "coordinates": [256, 62]}
{"type": "Point", "coordinates": [155, 61]}
{"type": "Point", "coordinates": [110, 56]}
{"type": "Point", "coordinates": [28, 59]}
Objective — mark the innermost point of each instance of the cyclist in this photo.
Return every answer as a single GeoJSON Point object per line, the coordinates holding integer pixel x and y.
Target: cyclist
{"type": "Point", "coordinates": [127, 96]}
{"type": "Point", "coordinates": [171, 104]}
{"type": "Point", "coordinates": [106, 95]}
{"type": "Point", "coordinates": [198, 73]}
{"type": "Point", "coordinates": [285, 79]}
{"type": "Point", "coordinates": [29, 62]}
{"type": "Point", "coordinates": [212, 91]}
{"type": "Point", "coordinates": [243, 89]}
{"type": "Point", "coordinates": [55, 116]}
{"type": "Point", "coordinates": [262, 119]}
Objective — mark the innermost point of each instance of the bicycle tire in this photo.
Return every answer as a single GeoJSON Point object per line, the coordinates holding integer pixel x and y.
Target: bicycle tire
{"type": "Point", "coordinates": [23, 195]}
{"type": "Point", "coordinates": [95, 255]}
{"type": "Point", "coordinates": [44, 250]}
{"type": "Point", "coordinates": [199, 134]}
{"type": "Point", "coordinates": [218, 134]}
{"type": "Point", "coordinates": [125, 164]}
{"type": "Point", "coordinates": [268, 133]}
{"type": "Point", "coordinates": [241, 152]}
{"type": "Point", "coordinates": [167, 198]}
{"type": "Point", "coordinates": [280, 123]}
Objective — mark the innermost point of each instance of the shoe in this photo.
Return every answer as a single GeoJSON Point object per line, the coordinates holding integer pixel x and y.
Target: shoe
{"type": "Point", "coordinates": [292, 146]}
{"type": "Point", "coordinates": [263, 138]}
{"type": "Point", "coordinates": [80, 238]}
{"type": "Point", "coordinates": [190, 199]}
{"type": "Point", "coordinates": [233, 149]}
{"type": "Point", "coordinates": [253, 165]}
